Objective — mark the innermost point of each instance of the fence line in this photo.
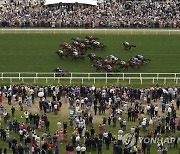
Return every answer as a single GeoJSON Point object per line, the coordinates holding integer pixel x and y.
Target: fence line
{"type": "Point", "coordinates": [92, 31]}
{"type": "Point", "coordinates": [107, 77]}
{"type": "Point", "coordinates": [83, 74]}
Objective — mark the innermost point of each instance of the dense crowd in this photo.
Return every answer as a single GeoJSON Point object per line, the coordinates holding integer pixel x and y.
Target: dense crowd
{"type": "Point", "coordinates": [154, 106]}
{"type": "Point", "coordinates": [110, 13]}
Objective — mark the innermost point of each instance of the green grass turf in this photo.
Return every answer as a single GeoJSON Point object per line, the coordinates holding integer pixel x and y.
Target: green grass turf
{"type": "Point", "coordinates": [36, 52]}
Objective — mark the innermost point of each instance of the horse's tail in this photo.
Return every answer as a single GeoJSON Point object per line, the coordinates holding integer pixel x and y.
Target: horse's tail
{"type": "Point", "coordinates": [133, 45]}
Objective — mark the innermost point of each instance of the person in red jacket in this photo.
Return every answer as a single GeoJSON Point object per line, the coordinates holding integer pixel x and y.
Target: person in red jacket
{"type": "Point", "coordinates": [100, 129]}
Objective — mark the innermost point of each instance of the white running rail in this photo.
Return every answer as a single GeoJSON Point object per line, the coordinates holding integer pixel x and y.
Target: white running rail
{"type": "Point", "coordinates": [91, 31]}
{"type": "Point", "coordinates": [154, 77]}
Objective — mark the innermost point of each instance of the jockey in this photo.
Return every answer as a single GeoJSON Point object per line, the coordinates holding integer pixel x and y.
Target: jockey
{"type": "Point", "coordinates": [109, 67]}
{"type": "Point", "coordinates": [97, 43]}
{"type": "Point", "coordinates": [113, 58]}
{"type": "Point", "coordinates": [93, 55]}
{"type": "Point", "coordinates": [82, 45]}
{"type": "Point", "coordinates": [86, 40]}
{"type": "Point", "coordinates": [126, 43]}
{"type": "Point", "coordinates": [134, 60]}
{"type": "Point", "coordinates": [76, 42]}
{"type": "Point", "coordinates": [76, 38]}
{"type": "Point", "coordinates": [99, 64]}
{"type": "Point", "coordinates": [59, 69]}
{"type": "Point", "coordinates": [65, 43]}
{"type": "Point", "coordinates": [60, 51]}
{"type": "Point", "coordinates": [140, 57]}
{"type": "Point", "coordinates": [91, 37]}
{"type": "Point", "coordinates": [75, 53]}
{"type": "Point", "coordinates": [123, 62]}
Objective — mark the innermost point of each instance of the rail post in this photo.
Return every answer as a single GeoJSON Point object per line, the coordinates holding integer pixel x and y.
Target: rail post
{"type": "Point", "coordinates": [54, 75]}
{"type": "Point", "coordinates": [106, 78]}
{"type": "Point", "coordinates": [123, 76]}
{"type": "Point", "coordinates": [34, 80]}
{"type": "Point", "coordinates": [153, 80]}
{"type": "Point", "coordinates": [22, 80]}
{"type": "Point", "coordinates": [117, 80]}
{"type": "Point", "coordinates": [129, 80]}
{"type": "Point", "coordinates": [175, 77]}
{"type": "Point", "coordinates": [94, 80]}
{"type": "Point", "coordinates": [82, 80]}
{"type": "Point", "coordinates": [176, 80]}
{"type": "Point", "coordinates": [36, 75]}
{"type": "Point", "coordinates": [164, 80]}
{"type": "Point", "coordinates": [58, 80]}
{"type": "Point", "coordinates": [157, 76]}
{"type": "Point", "coordinates": [88, 76]}
{"type": "Point", "coordinates": [70, 81]}
{"type": "Point", "coordinates": [141, 80]}
{"type": "Point", "coordinates": [19, 76]}
{"type": "Point", "coordinates": [46, 80]}
{"type": "Point", "coordinates": [2, 75]}
{"type": "Point", "coordinates": [10, 80]}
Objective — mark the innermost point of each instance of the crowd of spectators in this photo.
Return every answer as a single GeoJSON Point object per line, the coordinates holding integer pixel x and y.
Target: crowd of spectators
{"type": "Point", "coordinates": [155, 109]}
{"type": "Point", "coordinates": [109, 14]}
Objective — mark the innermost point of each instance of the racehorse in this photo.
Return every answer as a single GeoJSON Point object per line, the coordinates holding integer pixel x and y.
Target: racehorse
{"type": "Point", "coordinates": [90, 38]}
{"type": "Point", "coordinates": [76, 39]}
{"type": "Point", "coordinates": [110, 68]}
{"type": "Point", "coordinates": [133, 64]}
{"type": "Point", "coordinates": [94, 57]}
{"type": "Point", "coordinates": [98, 45]}
{"type": "Point", "coordinates": [127, 45]}
{"type": "Point", "coordinates": [77, 56]}
{"type": "Point", "coordinates": [59, 72]}
{"type": "Point", "coordinates": [123, 65]}
{"type": "Point", "coordinates": [98, 66]}
{"type": "Point", "coordinates": [61, 54]}
{"type": "Point", "coordinates": [80, 45]}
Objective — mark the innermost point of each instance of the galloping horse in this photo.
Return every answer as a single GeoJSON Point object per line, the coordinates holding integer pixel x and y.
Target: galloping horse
{"type": "Point", "coordinates": [110, 68]}
{"type": "Point", "coordinates": [77, 56]}
{"type": "Point", "coordinates": [127, 45]}
{"type": "Point", "coordinates": [136, 63]}
{"type": "Point", "coordinates": [98, 45]}
{"type": "Point", "coordinates": [99, 66]}
{"type": "Point", "coordinates": [59, 72]}
{"type": "Point", "coordinates": [141, 58]}
{"type": "Point", "coordinates": [76, 39]}
{"type": "Point", "coordinates": [61, 54]}
{"type": "Point", "coordinates": [90, 38]}
{"type": "Point", "coordinates": [124, 65]}
{"type": "Point", "coordinates": [93, 57]}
